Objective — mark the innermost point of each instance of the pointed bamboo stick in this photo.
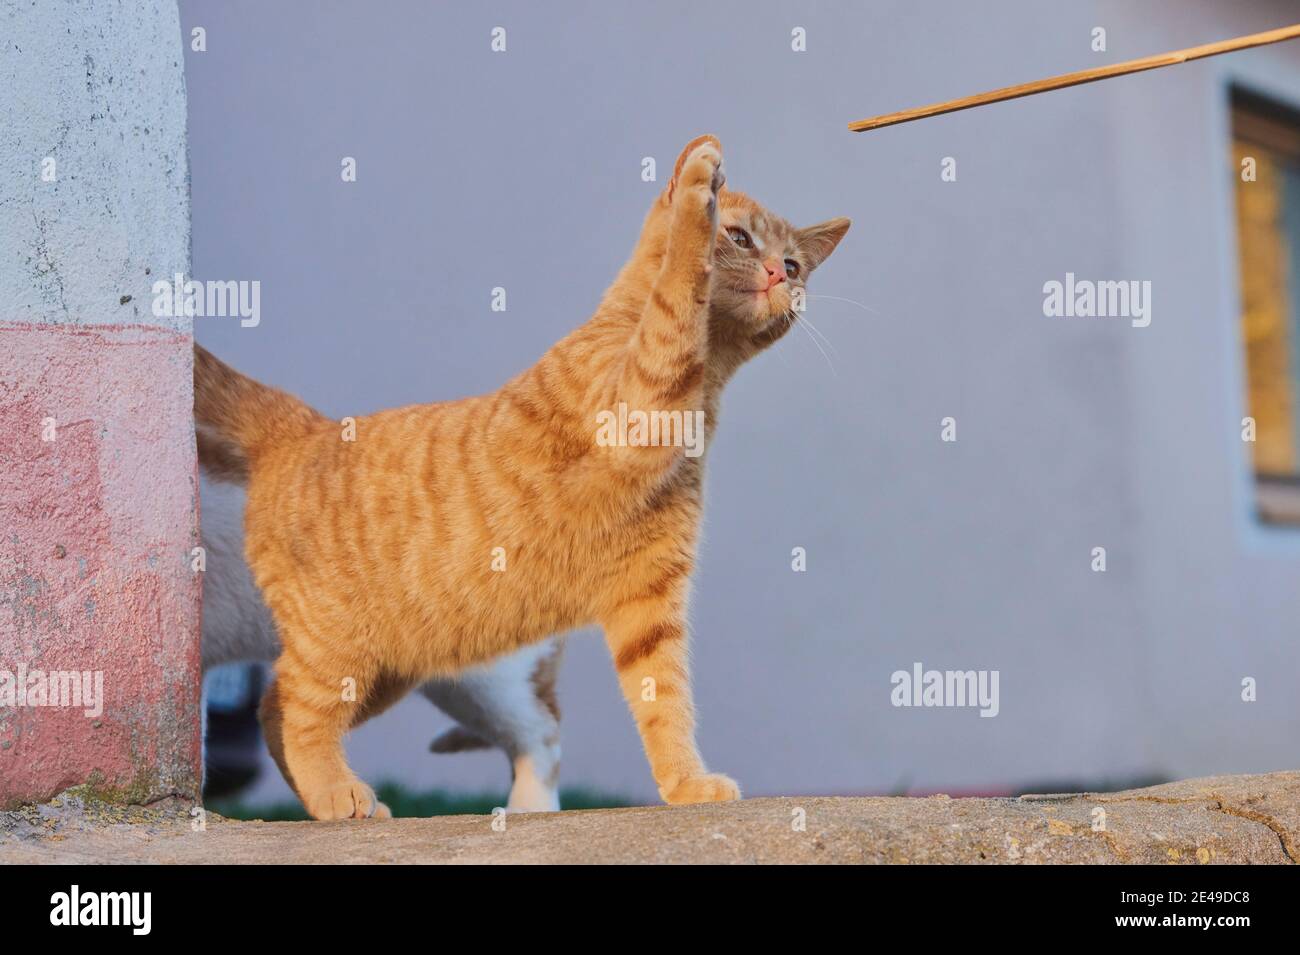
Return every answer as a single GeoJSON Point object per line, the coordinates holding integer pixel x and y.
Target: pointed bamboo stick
{"type": "Point", "coordinates": [1081, 76]}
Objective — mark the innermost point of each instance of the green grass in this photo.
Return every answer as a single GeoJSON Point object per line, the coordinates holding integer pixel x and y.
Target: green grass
{"type": "Point", "coordinates": [405, 802]}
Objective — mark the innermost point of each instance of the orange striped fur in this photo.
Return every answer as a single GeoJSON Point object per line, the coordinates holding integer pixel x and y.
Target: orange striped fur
{"type": "Point", "coordinates": [447, 534]}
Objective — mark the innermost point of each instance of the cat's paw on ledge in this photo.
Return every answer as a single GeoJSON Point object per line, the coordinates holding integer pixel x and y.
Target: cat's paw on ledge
{"type": "Point", "coordinates": [711, 787]}
{"type": "Point", "coordinates": [348, 800]}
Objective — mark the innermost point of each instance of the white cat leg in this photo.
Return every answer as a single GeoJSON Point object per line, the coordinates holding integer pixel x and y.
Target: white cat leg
{"type": "Point", "coordinates": [509, 704]}
{"type": "Point", "coordinates": [536, 774]}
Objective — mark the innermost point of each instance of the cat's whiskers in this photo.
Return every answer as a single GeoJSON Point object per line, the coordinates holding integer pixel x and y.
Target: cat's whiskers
{"type": "Point", "coordinates": [818, 332]}
{"type": "Point", "coordinates": [804, 324]}
{"type": "Point", "coordinates": [865, 308]}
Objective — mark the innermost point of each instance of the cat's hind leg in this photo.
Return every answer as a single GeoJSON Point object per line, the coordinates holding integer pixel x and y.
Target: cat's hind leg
{"type": "Point", "coordinates": [509, 704]}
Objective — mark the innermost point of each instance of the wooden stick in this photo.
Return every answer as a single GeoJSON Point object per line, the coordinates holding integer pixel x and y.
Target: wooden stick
{"type": "Point", "coordinates": [1081, 76]}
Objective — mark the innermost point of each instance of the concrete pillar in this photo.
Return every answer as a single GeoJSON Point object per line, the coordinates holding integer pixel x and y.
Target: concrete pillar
{"type": "Point", "coordinates": [97, 471]}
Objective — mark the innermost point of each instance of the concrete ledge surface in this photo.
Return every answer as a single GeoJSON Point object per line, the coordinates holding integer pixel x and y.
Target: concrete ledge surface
{"type": "Point", "coordinates": [1219, 819]}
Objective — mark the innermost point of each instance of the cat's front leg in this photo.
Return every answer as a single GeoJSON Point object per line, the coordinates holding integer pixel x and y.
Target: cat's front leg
{"type": "Point", "coordinates": [648, 640]}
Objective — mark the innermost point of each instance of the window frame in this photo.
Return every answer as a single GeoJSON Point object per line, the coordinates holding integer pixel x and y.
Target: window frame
{"type": "Point", "coordinates": [1274, 125]}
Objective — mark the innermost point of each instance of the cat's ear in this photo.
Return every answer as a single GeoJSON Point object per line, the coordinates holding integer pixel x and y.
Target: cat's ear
{"type": "Point", "coordinates": [817, 242]}
{"type": "Point", "coordinates": [681, 161]}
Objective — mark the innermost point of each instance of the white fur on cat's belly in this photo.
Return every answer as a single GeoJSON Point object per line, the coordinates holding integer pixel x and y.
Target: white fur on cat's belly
{"type": "Point", "coordinates": [496, 702]}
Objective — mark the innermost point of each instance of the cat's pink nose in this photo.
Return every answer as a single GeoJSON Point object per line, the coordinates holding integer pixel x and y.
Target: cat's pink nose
{"type": "Point", "coordinates": [775, 273]}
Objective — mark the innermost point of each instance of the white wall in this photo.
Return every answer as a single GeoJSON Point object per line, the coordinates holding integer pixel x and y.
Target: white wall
{"type": "Point", "coordinates": [1220, 599]}
{"type": "Point", "coordinates": [76, 244]}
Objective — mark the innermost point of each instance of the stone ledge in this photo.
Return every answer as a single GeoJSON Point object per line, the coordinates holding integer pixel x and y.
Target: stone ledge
{"type": "Point", "coordinates": [1219, 819]}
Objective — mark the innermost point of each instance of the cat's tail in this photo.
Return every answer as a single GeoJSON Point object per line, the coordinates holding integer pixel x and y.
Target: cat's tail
{"type": "Point", "coordinates": [235, 417]}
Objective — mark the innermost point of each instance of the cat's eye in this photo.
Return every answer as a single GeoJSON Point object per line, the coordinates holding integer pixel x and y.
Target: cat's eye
{"type": "Point", "coordinates": [791, 269]}
{"type": "Point", "coordinates": [740, 237]}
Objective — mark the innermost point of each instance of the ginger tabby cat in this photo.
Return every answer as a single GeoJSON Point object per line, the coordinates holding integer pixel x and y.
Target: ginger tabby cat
{"type": "Point", "coordinates": [379, 557]}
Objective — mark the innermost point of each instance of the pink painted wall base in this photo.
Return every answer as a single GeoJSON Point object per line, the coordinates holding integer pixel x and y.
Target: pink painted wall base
{"type": "Point", "coordinates": [98, 521]}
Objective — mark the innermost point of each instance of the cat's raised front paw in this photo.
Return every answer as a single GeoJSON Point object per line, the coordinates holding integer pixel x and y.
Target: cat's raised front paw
{"type": "Point", "coordinates": [711, 787]}
{"type": "Point", "coordinates": [703, 168]}
{"type": "Point", "coordinates": [694, 197]}
{"type": "Point", "coordinates": [694, 191]}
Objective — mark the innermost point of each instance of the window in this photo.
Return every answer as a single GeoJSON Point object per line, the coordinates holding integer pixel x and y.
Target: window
{"type": "Point", "coordinates": [1266, 167]}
